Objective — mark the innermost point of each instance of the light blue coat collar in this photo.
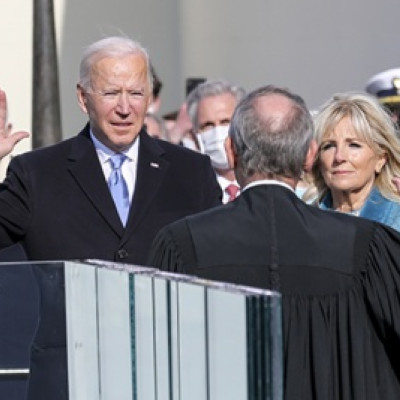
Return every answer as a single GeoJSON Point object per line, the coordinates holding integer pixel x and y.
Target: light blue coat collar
{"type": "Point", "coordinates": [376, 208]}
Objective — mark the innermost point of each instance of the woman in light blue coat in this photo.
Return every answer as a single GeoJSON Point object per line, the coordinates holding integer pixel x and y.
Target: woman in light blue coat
{"type": "Point", "coordinates": [358, 159]}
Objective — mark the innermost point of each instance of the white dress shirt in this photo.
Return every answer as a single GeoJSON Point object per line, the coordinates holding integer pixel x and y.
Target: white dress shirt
{"type": "Point", "coordinates": [224, 183]}
{"type": "Point", "coordinates": [129, 167]}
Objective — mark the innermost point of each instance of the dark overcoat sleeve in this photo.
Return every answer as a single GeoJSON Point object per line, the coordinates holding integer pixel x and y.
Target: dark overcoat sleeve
{"type": "Point", "coordinates": [15, 204]}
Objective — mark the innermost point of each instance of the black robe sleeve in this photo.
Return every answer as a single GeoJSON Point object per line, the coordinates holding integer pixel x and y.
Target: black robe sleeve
{"type": "Point", "coordinates": [172, 249]}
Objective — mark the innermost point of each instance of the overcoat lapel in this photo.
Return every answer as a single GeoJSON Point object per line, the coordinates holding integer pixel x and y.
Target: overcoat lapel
{"type": "Point", "coordinates": [84, 166]}
{"type": "Point", "coordinates": [151, 171]}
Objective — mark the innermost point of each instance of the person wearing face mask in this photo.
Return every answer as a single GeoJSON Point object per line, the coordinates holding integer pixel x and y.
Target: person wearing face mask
{"type": "Point", "coordinates": [210, 107]}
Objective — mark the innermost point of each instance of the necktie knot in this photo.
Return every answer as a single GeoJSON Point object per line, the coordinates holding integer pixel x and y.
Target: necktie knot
{"type": "Point", "coordinates": [117, 160]}
{"type": "Point", "coordinates": [232, 191]}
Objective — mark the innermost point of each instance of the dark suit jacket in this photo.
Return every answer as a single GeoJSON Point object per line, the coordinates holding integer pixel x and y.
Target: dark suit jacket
{"type": "Point", "coordinates": [339, 277]}
{"type": "Point", "coordinates": [56, 203]}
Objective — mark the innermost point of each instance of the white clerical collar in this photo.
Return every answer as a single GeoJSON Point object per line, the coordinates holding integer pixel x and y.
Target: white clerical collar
{"type": "Point", "coordinates": [267, 182]}
{"type": "Point", "coordinates": [104, 152]}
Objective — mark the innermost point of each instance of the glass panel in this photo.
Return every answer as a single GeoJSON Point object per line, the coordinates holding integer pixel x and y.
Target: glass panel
{"type": "Point", "coordinates": [162, 325]}
{"type": "Point", "coordinates": [19, 308]}
{"type": "Point", "coordinates": [137, 333]}
{"type": "Point", "coordinates": [264, 342]}
{"type": "Point", "coordinates": [82, 328]}
{"type": "Point", "coordinates": [144, 337]}
{"type": "Point", "coordinates": [192, 340]}
{"type": "Point", "coordinates": [225, 340]}
{"type": "Point", "coordinates": [227, 347]}
{"type": "Point", "coordinates": [274, 312]}
{"type": "Point", "coordinates": [174, 341]}
{"type": "Point", "coordinates": [114, 334]}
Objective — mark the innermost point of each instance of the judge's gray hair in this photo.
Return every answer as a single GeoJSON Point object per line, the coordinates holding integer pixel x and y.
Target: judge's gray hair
{"type": "Point", "coordinates": [269, 146]}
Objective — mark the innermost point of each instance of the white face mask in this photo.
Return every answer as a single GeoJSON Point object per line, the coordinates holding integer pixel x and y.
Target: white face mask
{"type": "Point", "coordinates": [212, 143]}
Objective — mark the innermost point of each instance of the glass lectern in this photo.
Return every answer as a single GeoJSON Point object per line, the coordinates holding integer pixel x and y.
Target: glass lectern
{"type": "Point", "coordinates": [135, 333]}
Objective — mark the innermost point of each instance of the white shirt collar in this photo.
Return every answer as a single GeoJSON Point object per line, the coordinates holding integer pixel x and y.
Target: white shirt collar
{"type": "Point", "coordinates": [104, 153]}
{"type": "Point", "coordinates": [224, 183]}
{"type": "Point", "coordinates": [267, 182]}
{"type": "Point", "coordinates": [129, 167]}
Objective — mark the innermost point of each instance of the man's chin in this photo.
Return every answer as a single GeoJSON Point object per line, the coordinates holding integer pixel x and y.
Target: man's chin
{"type": "Point", "coordinates": [125, 140]}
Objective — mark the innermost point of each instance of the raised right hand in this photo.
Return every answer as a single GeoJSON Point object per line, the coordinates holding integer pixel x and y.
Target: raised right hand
{"type": "Point", "coordinates": [8, 140]}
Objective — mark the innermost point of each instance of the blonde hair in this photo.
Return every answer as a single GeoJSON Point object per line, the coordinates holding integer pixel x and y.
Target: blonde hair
{"type": "Point", "coordinates": [371, 123]}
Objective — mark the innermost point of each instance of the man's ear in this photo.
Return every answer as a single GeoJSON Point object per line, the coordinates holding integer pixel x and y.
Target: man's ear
{"type": "Point", "coordinates": [230, 152]}
{"type": "Point", "coordinates": [82, 98]}
{"type": "Point", "coordinates": [311, 155]}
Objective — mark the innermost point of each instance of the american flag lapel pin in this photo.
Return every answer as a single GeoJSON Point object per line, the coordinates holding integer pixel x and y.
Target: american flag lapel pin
{"type": "Point", "coordinates": [154, 165]}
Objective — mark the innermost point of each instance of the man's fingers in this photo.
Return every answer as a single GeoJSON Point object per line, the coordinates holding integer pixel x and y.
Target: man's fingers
{"type": "Point", "coordinates": [7, 144]}
{"type": "Point", "coordinates": [3, 110]}
{"type": "Point", "coordinates": [17, 136]}
{"type": "Point", "coordinates": [8, 129]}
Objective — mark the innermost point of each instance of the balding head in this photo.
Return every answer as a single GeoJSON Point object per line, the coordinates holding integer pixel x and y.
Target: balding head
{"type": "Point", "coordinates": [271, 132]}
{"type": "Point", "coordinates": [275, 110]}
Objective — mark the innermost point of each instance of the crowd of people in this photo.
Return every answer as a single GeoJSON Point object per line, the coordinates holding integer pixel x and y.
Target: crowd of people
{"type": "Point", "coordinates": [357, 128]}
{"type": "Point", "coordinates": [214, 195]}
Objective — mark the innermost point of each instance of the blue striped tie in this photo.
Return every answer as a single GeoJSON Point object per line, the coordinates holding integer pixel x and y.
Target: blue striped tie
{"type": "Point", "coordinates": [118, 187]}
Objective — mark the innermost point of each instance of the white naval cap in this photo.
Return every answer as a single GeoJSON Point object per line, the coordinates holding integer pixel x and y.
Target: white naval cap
{"type": "Point", "coordinates": [385, 86]}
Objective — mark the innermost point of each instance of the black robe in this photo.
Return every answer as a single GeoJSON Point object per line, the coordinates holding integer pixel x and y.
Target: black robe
{"type": "Point", "coordinates": [339, 277]}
